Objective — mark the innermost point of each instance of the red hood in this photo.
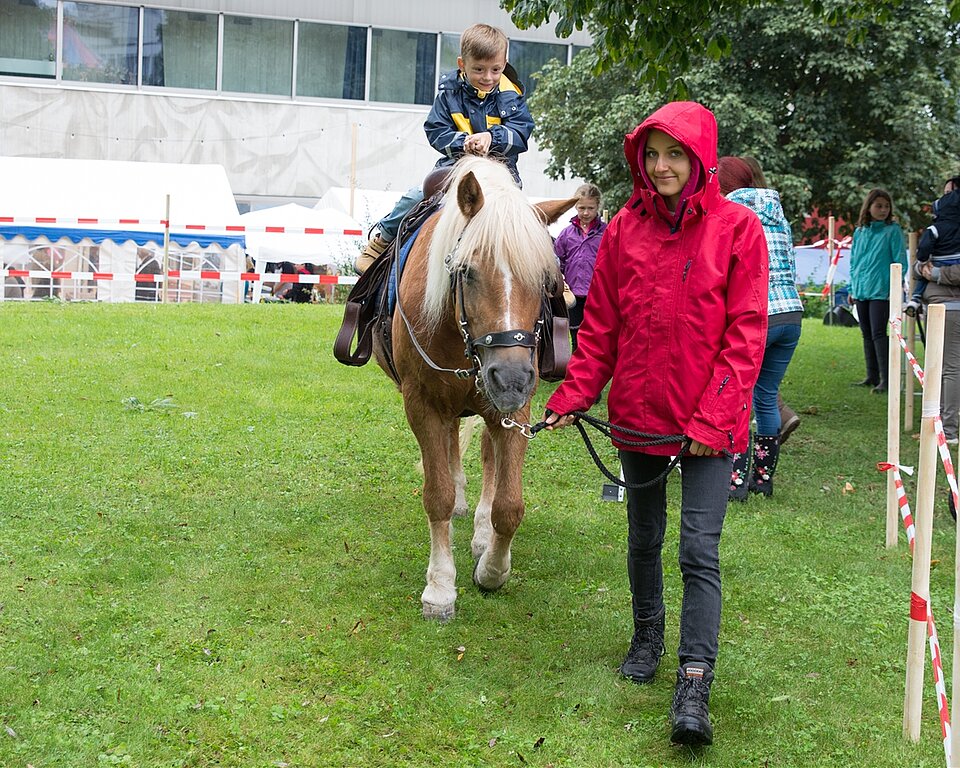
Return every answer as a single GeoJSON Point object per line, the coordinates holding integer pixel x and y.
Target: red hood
{"type": "Point", "coordinates": [694, 126]}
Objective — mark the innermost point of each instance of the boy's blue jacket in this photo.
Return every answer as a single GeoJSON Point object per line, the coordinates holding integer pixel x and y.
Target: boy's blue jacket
{"type": "Point", "coordinates": [459, 110]}
{"type": "Point", "coordinates": [941, 240]}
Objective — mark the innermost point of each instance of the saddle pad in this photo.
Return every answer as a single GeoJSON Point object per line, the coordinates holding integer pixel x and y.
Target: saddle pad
{"type": "Point", "coordinates": [397, 269]}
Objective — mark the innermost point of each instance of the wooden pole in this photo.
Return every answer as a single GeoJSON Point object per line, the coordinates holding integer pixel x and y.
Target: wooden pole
{"type": "Point", "coordinates": [926, 490]}
{"type": "Point", "coordinates": [165, 294]}
{"type": "Point", "coordinates": [910, 336]}
{"type": "Point", "coordinates": [893, 404]}
{"type": "Point", "coordinates": [353, 164]}
{"type": "Point", "coordinates": [831, 234]}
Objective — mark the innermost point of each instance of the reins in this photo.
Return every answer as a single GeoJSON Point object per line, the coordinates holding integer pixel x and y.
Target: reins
{"type": "Point", "coordinates": [606, 428]}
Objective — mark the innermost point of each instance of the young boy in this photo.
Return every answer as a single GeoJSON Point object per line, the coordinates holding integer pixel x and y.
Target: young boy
{"type": "Point", "coordinates": [940, 244]}
{"type": "Point", "coordinates": [479, 110]}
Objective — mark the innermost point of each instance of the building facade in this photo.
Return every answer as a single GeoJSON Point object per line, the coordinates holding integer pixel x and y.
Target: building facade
{"type": "Point", "coordinates": [292, 97]}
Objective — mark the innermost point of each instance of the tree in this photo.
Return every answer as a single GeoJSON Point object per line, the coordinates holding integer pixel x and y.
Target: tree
{"type": "Point", "coordinates": [660, 40]}
{"type": "Point", "coordinates": [828, 118]}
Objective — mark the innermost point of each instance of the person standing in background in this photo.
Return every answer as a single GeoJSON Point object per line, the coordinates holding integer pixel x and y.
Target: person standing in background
{"type": "Point", "coordinates": [576, 249]}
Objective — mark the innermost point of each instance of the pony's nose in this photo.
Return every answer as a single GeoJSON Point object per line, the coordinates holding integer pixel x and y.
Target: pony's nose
{"type": "Point", "coordinates": [509, 386]}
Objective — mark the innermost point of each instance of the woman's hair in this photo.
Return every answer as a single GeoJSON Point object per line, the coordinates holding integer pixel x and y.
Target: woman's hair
{"type": "Point", "coordinates": [481, 41]}
{"type": "Point", "coordinates": [865, 218]}
{"type": "Point", "coordinates": [759, 180]}
{"type": "Point", "coordinates": [733, 173]}
{"type": "Point", "coordinates": [589, 190]}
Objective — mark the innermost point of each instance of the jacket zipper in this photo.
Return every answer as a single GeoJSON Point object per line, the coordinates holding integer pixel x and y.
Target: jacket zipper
{"type": "Point", "coordinates": [685, 270]}
{"type": "Point", "coordinates": [723, 384]}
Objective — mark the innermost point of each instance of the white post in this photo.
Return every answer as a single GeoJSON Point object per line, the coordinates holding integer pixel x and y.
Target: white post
{"type": "Point", "coordinates": [166, 253]}
{"type": "Point", "coordinates": [910, 335]}
{"type": "Point", "coordinates": [893, 403]}
{"type": "Point", "coordinates": [353, 164]}
{"type": "Point", "coordinates": [831, 234]}
{"type": "Point", "coordinates": [926, 490]}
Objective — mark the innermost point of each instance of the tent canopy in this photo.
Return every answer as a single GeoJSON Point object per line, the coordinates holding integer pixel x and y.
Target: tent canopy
{"type": "Point", "coordinates": [329, 249]}
{"type": "Point", "coordinates": [369, 205]}
{"type": "Point", "coordinates": [58, 188]}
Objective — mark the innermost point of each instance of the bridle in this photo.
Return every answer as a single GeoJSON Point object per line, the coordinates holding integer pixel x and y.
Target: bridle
{"type": "Point", "coordinates": [512, 338]}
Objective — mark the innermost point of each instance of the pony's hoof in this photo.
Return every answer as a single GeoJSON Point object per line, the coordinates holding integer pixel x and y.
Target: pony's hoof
{"type": "Point", "coordinates": [441, 613]}
{"type": "Point", "coordinates": [491, 582]}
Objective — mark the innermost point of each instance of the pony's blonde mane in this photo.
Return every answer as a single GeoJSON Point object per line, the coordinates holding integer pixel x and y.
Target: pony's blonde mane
{"type": "Point", "coordinates": [507, 229]}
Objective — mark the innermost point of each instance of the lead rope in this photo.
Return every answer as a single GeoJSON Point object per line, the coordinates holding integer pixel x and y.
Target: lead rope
{"type": "Point", "coordinates": [605, 427]}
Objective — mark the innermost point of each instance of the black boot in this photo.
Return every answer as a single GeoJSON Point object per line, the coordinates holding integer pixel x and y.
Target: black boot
{"type": "Point", "coordinates": [873, 368]}
{"type": "Point", "coordinates": [738, 476]}
{"type": "Point", "coordinates": [690, 712]}
{"type": "Point", "coordinates": [646, 648]}
{"type": "Point", "coordinates": [766, 452]}
{"type": "Point", "coordinates": [881, 347]}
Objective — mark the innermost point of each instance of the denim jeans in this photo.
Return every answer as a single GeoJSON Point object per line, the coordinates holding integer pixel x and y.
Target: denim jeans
{"type": "Point", "coordinates": [782, 341]}
{"type": "Point", "coordinates": [389, 225]}
{"type": "Point", "coordinates": [705, 482]}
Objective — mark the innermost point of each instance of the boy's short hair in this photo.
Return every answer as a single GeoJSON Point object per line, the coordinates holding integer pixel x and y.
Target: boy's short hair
{"type": "Point", "coordinates": [589, 190]}
{"type": "Point", "coordinates": [481, 41]}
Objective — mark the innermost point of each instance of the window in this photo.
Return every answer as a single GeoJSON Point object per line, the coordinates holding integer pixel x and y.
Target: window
{"type": "Point", "coordinates": [331, 61]}
{"type": "Point", "coordinates": [100, 43]}
{"type": "Point", "coordinates": [449, 51]}
{"type": "Point", "coordinates": [180, 49]}
{"type": "Point", "coordinates": [257, 55]}
{"type": "Point", "coordinates": [403, 67]}
{"type": "Point", "coordinates": [528, 58]}
{"type": "Point", "coordinates": [28, 38]}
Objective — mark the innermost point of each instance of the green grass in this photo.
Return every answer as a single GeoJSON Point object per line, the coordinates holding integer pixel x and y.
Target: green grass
{"type": "Point", "coordinates": [235, 581]}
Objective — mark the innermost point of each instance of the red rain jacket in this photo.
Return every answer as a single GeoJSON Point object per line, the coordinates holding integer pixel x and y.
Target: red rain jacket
{"type": "Point", "coordinates": [676, 315]}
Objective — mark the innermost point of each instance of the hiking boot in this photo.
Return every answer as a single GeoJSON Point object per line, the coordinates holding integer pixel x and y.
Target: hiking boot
{"type": "Point", "coordinates": [789, 420]}
{"type": "Point", "coordinates": [646, 648]}
{"type": "Point", "coordinates": [690, 712]}
{"type": "Point", "coordinates": [372, 251]}
{"type": "Point", "coordinates": [912, 309]}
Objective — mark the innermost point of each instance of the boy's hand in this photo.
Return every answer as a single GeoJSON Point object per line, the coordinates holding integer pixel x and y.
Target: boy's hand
{"type": "Point", "coordinates": [478, 143]}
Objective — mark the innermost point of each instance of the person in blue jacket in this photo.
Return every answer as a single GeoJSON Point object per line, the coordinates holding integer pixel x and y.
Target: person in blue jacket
{"type": "Point", "coordinates": [877, 243]}
{"type": "Point", "coordinates": [479, 110]}
{"type": "Point", "coordinates": [940, 244]}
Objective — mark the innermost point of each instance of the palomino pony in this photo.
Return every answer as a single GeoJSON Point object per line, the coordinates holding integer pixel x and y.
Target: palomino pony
{"type": "Point", "coordinates": [464, 342]}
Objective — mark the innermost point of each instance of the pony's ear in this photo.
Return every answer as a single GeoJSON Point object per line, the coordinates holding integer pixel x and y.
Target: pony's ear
{"type": "Point", "coordinates": [550, 210]}
{"type": "Point", "coordinates": [469, 195]}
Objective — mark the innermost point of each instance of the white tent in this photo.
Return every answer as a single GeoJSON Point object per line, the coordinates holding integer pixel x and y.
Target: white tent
{"type": "Point", "coordinates": [369, 205]}
{"type": "Point", "coordinates": [108, 217]}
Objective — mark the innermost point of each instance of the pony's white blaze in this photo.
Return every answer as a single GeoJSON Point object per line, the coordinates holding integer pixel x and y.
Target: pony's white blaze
{"type": "Point", "coordinates": [507, 288]}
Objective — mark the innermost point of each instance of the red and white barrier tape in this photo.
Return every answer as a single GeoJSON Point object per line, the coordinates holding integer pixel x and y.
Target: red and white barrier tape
{"type": "Point", "coordinates": [162, 224]}
{"type": "Point", "coordinates": [917, 370]}
{"type": "Point", "coordinates": [946, 459]}
{"type": "Point", "coordinates": [145, 277]}
{"type": "Point", "coordinates": [902, 501]}
{"type": "Point", "coordinates": [920, 610]}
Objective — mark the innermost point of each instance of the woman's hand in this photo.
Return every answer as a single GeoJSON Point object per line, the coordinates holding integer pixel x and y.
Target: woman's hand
{"type": "Point", "coordinates": [926, 270]}
{"type": "Point", "coordinates": [699, 449]}
{"type": "Point", "coordinates": [556, 421]}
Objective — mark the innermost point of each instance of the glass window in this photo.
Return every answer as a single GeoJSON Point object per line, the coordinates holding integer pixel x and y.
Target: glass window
{"type": "Point", "coordinates": [28, 38]}
{"type": "Point", "coordinates": [403, 66]}
{"type": "Point", "coordinates": [331, 61]}
{"type": "Point", "coordinates": [100, 43]}
{"type": "Point", "coordinates": [449, 51]}
{"type": "Point", "coordinates": [257, 55]}
{"type": "Point", "coordinates": [180, 49]}
{"type": "Point", "coordinates": [528, 58]}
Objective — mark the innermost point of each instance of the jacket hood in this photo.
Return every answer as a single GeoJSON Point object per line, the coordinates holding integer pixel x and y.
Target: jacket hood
{"type": "Point", "coordinates": [763, 202]}
{"type": "Point", "coordinates": [948, 206]}
{"type": "Point", "coordinates": [695, 127]}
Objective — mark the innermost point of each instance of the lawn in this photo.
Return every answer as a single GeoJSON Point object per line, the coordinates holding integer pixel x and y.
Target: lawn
{"type": "Point", "coordinates": [212, 549]}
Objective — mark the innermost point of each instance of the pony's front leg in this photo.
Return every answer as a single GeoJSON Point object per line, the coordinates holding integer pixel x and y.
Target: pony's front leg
{"type": "Point", "coordinates": [440, 595]}
{"type": "Point", "coordinates": [505, 494]}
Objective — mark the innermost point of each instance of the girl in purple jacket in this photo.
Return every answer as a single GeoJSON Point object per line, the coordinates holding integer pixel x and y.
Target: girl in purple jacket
{"type": "Point", "coordinates": [576, 249]}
